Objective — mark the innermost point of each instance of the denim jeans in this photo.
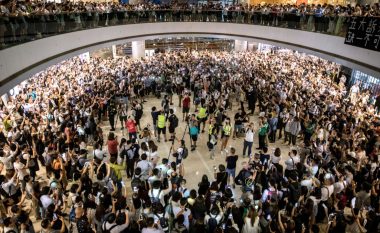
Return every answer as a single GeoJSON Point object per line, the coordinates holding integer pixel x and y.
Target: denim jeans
{"type": "Point", "coordinates": [249, 146]}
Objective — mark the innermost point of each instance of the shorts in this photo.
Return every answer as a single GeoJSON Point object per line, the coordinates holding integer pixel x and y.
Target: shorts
{"type": "Point", "coordinates": [231, 172]}
{"type": "Point", "coordinates": [202, 120]}
{"type": "Point", "coordinates": [238, 127]}
{"type": "Point", "coordinates": [185, 110]}
{"type": "Point", "coordinates": [194, 137]}
{"type": "Point", "coordinates": [171, 129]}
{"type": "Point", "coordinates": [161, 130]}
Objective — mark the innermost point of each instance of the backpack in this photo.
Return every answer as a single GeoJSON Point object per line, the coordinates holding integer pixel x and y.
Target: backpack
{"type": "Point", "coordinates": [180, 229]}
{"type": "Point", "coordinates": [330, 200]}
{"type": "Point", "coordinates": [295, 192]}
{"type": "Point", "coordinates": [155, 199]}
{"type": "Point", "coordinates": [272, 196]}
{"type": "Point", "coordinates": [194, 130]}
{"type": "Point", "coordinates": [321, 214]}
{"type": "Point", "coordinates": [136, 182]}
{"type": "Point", "coordinates": [212, 224]}
{"type": "Point", "coordinates": [214, 196]}
{"type": "Point", "coordinates": [174, 121]}
{"type": "Point", "coordinates": [124, 153]}
{"type": "Point", "coordinates": [113, 175]}
{"type": "Point", "coordinates": [185, 152]}
{"type": "Point", "coordinates": [104, 227]}
{"type": "Point", "coordinates": [56, 165]}
{"type": "Point", "coordinates": [163, 222]}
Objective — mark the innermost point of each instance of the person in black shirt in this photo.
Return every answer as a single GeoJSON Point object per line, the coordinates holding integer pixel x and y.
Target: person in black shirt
{"type": "Point", "coordinates": [239, 119]}
{"type": "Point", "coordinates": [155, 114]}
{"type": "Point", "coordinates": [221, 177]}
{"type": "Point", "coordinates": [231, 166]}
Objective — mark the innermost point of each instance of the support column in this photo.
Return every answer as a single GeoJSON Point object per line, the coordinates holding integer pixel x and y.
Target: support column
{"type": "Point", "coordinates": [252, 46]}
{"type": "Point", "coordinates": [138, 49]}
{"type": "Point", "coordinates": [241, 45]}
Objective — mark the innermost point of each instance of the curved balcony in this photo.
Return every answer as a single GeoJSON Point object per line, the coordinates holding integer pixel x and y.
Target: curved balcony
{"type": "Point", "coordinates": [31, 43]}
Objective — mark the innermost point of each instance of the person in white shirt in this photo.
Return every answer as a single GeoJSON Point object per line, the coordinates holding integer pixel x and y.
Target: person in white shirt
{"type": "Point", "coordinates": [312, 166]}
{"type": "Point", "coordinates": [152, 227]}
{"type": "Point", "coordinates": [181, 209]}
{"type": "Point", "coordinates": [163, 168]}
{"type": "Point", "coordinates": [328, 187]}
{"type": "Point", "coordinates": [156, 176]}
{"type": "Point", "coordinates": [156, 193]}
{"type": "Point", "coordinates": [21, 169]}
{"type": "Point", "coordinates": [145, 167]}
{"type": "Point", "coordinates": [291, 163]}
{"type": "Point", "coordinates": [6, 158]}
{"type": "Point", "coordinates": [216, 213]}
{"type": "Point", "coordinates": [248, 140]}
{"type": "Point", "coordinates": [271, 192]}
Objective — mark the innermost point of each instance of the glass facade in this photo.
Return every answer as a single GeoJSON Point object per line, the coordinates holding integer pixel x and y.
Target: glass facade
{"type": "Point", "coordinates": [366, 82]}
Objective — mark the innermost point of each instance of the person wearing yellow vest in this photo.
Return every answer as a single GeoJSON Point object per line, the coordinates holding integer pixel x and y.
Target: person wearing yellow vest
{"type": "Point", "coordinates": [226, 133]}
{"type": "Point", "coordinates": [161, 126]}
{"type": "Point", "coordinates": [211, 128]}
{"type": "Point", "coordinates": [114, 171]}
{"type": "Point", "coordinates": [202, 117]}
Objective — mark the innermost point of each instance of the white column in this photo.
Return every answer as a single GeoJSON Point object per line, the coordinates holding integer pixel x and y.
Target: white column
{"type": "Point", "coordinates": [138, 49]}
{"type": "Point", "coordinates": [114, 54]}
{"type": "Point", "coordinates": [252, 46]}
{"type": "Point", "coordinates": [241, 45]}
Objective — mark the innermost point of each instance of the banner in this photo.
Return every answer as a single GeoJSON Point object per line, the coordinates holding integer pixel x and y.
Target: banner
{"type": "Point", "coordinates": [364, 32]}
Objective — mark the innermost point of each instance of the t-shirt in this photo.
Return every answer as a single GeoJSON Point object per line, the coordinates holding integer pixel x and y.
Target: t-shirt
{"type": "Point", "coordinates": [186, 214]}
{"type": "Point", "coordinates": [112, 146]}
{"type": "Point", "coordinates": [186, 102]}
{"type": "Point", "coordinates": [231, 161]}
{"type": "Point", "coordinates": [21, 170]}
{"type": "Point", "coordinates": [238, 118]}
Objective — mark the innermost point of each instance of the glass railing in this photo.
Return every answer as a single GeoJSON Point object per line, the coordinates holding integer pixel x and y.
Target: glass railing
{"type": "Point", "coordinates": [19, 29]}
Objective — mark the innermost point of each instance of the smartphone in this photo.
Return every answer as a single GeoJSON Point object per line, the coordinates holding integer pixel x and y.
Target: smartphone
{"type": "Point", "coordinates": [331, 216]}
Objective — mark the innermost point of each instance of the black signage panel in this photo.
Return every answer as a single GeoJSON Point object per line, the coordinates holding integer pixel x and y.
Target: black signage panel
{"type": "Point", "coordinates": [364, 32]}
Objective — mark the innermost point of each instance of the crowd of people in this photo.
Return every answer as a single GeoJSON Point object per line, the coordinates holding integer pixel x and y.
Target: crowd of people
{"type": "Point", "coordinates": [22, 21]}
{"type": "Point", "coordinates": [328, 182]}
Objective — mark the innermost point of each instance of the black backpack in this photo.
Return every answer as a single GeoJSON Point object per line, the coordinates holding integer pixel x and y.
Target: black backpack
{"type": "Point", "coordinates": [321, 214]}
{"type": "Point", "coordinates": [212, 224]}
{"type": "Point", "coordinates": [136, 183]}
{"type": "Point", "coordinates": [174, 121]}
{"type": "Point", "coordinates": [163, 222]}
{"type": "Point", "coordinates": [124, 153]}
{"type": "Point", "coordinates": [155, 199]}
{"type": "Point", "coordinates": [185, 152]}
{"type": "Point", "coordinates": [294, 192]}
{"type": "Point", "coordinates": [180, 229]}
{"type": "Point", "coordinates": [108, 230]}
